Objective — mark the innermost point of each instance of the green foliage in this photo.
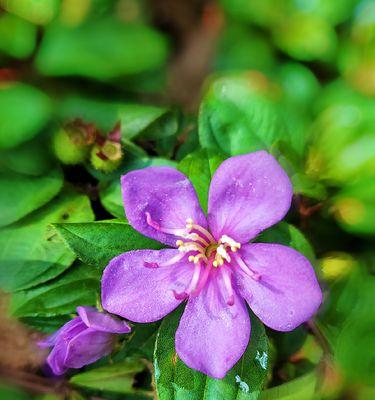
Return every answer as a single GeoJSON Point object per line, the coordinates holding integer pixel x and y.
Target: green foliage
{"type": "Point", "coordinates": [101, 49]}
{"type": "Point", "coordinates": [174, 380]}
{"type": "Point", "coordinates": [24, 110]}
{"type": "Point", "coordinates": [135, 119]}
{"type": "Point", "coordinates": [17, 36]}
{"type": "Point", "coordinates": [200, 167]}
{"type": "Point", "coordinates": [240, 114]}
{"type": "Point", "coordinates": [118, 377]}
{"type": "Point", "coordinates": [30, 251]}
{"type": "Point", "coordinates": [22, 194]}
{"type": "Point", "coordinates": [293, 77]}
{"type": "Point", "coordinates": [288, 235]}
{"type": "Point", "coordinates": [96, 243]}
{"type": "Point", "coordinates": [302, 388]}
{"type": "Point", "coordinates": [34, 11]}
{"type": "Point", "coordinates": [79, 286]}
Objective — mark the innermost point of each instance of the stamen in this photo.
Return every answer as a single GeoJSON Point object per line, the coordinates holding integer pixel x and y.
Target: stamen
{"type": "Point", "coordinates": [199, 257]}
{"type": "Point", "coordinates": [223, 253]}
{"type": "Point", "coordinates": [228, 287]}
{"type": "Point", "coordinates": [170, 231]}
{"type": "Point", "coordinates": [185, 247]}
{"type": "Point", "coordinates": [246, 269]}
{"type": "Point", "coordinates": [203, 279]}
{"type": "Point", "coordinates": [234, 246]}
{"type": "Point", "coordinates": [196, 238]}
{"type": "Point", "coordinates": [191, 226]}
{"type": "Point", "coordinates": [192, 285]}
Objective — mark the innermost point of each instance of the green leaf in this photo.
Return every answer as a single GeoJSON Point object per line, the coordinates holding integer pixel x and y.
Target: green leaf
{"type": "Point", "coordinates": [110, 192]}
{"type": "Point", "coordinates": [175, 381]}
{"type": "Point", "coordinates": [136, 119]}
{"type": "Point", "coordinates": [35, 11]}
{"type": "Point", "coordinates": [21, 194]}
{"type": "Point", "coordinates": [47, 324]}
{"type": "Point", "coordinates": [288, 235]}
{"type": "Point", "coordinates": [239, 114]}
{"type": "Point", "coordinates": [30, 158]}
{"type": "Point", "coordinates": [79, 286]}
{"type": "Point", "coordinates": [101, 49]}
{"type": "Point", "coordinates": [96, 243]}
{"type": "Point", "coordinates": [252, 50]}
{"type": "Point", "coordinates": [355, 347]}
{"type": "Point", "coordinates": [150, 121]}
{"type": "Point", "coordinates": [31, 252]}
{"type": "Point", "coordinates": [302, 388]}
{"type": "Point", "coordinates": [199, 167]}
{"type": "Point", "coordinates": [24, 111]}
{"type": "Point", "coordinates": [17, 36]}
{"type": "Point", "coordinates": [117, 377]}
{"type": "Point", "coordinates": [303, 184]}
{"type": "Point", "coordinates": [140, 342]}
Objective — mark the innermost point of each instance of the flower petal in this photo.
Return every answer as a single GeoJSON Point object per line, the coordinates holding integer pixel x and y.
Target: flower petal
{"type": "Point", "coordinates": [88, 347]}
{"type": "Point", "coordinates": [135, 288]}
{"type": "Point", "coordinates": [248, 194]}
{"type": "Point", "coordinates": [70, 326]}
{"type": "Point", "coordinates": [102, 321]}
{"type": "Point", "coordinates": [56, 358]}
{"type": "Point", "coordinates": [166, 195]}
{"type": "Point", "coordinates": [212, 336]}
{"type": "Point", "coordinates": [287, 293]}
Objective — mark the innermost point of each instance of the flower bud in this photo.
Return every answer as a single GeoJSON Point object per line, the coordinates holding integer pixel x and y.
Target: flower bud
{"type": "Point", "coordinates": [83, 340]}
{"type": "Point", "coordinates": [108, 157]}
{"type": "Point", "coordinates": [72, 143]}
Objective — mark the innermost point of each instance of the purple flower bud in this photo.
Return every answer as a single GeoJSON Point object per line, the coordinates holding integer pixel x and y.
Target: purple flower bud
{"type": "Point", "coordinates": [83, 340]}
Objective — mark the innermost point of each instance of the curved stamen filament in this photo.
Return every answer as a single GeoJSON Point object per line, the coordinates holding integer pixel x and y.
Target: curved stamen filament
{"type": "Point", "coordinates": [185, 247]}
{"type": "Point", "coordinates": [203, 279]}
{"type": "Point", "coordinates": [171, 231]}
{"type": "Point", "coordinates": [191, 226]}
{"type": "Point", "coordinates": [192, 285]}
{"type": "Point", "coordinates": [246, 269]}
{"type": "Point", "coordinates": [196, 238]}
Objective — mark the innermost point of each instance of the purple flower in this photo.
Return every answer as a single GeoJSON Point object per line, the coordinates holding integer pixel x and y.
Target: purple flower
{"type": "Point", "coordinates": [83, 340]}
{"type": "Point", "coordinates": [213, 265]}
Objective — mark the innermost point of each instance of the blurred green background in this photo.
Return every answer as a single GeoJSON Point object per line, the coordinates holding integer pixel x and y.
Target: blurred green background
{"type": "Point", "coordinates": [157, 80]}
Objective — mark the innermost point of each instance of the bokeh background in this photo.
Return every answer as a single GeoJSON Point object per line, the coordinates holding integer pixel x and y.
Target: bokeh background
{"type": "Point", "coordinates": [296, 77]}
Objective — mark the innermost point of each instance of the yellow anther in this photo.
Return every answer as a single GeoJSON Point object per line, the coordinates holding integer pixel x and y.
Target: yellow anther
{"type": "Point", "coordinates": [191, 259]}
{"type": "Point", "coordinates": [215, 263]}
{"type": "Point", "coordinates": [179, 243]}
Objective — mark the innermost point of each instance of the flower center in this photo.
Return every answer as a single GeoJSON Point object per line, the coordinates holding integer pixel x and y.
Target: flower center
{"type": "Point", "coordinates": [200, 241]}
{"type": "Point", "coordinates": [206, 253]}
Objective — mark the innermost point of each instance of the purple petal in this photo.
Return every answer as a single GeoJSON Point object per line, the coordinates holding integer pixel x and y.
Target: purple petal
{"type": "Point", "coordinates": [102, 321]}
{"type": "Point", "coordinates": [248, 194]}
{"type": "Point", "coordinates": [88, 347]}
{"type": "Point", "coordinates": [212, 336]}
{"type": "Point", "coordinates": [139, 293]}
{"type": "Point", "coordinates": [287, 293]}
{"type": "Point", "coordinates": [166, 195]}
{"type": "Point", "coordinates": [50, 340]}
{"type": "Point", "coordinates": [56, 358]}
